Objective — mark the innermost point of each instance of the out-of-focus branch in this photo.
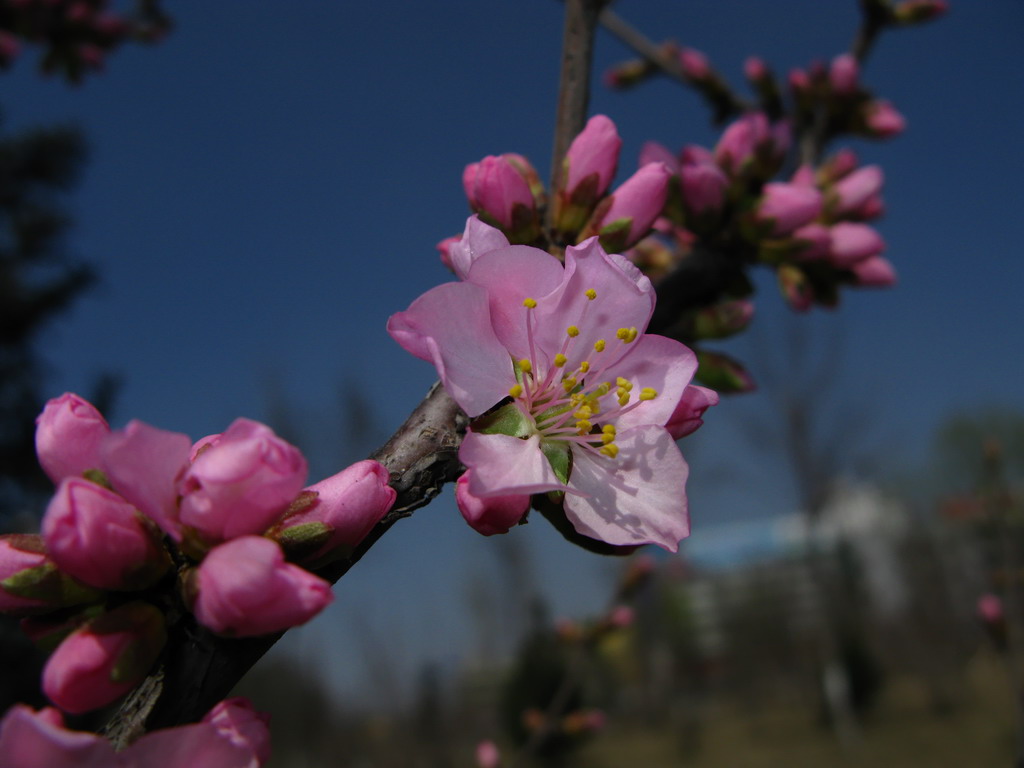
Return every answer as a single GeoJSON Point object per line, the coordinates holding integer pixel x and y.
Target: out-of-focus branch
{"type": "Point", "coordinates": [574, 80]}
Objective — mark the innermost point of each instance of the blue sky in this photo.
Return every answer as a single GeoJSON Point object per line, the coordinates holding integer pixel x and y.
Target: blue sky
{"type": "Point", "coordinates": [266, 187]}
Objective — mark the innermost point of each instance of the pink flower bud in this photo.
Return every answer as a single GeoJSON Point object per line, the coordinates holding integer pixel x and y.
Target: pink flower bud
{"type": "Point", "coordinates": [347, 505]}
{"type": "Point", "coordinates": [990, 608]}
{"type": "Point", "coordinates": [242, 483]}
{"type": "Point", "coordinates": [804, 176]}
{"type": "Point", "coordinates": [144, 464]}
{"type": "Point", "coordinates": [201, 445]}
{"type": "Point", "coordinates": [858, 190]}
{"type": "Point", "coordinates": [736, 146]}
{"type": "Point", "coordinates": [694, 64]}
{"type": "Point", "coordinates": [19, 554]}
{"type": "Point", "coordinates": [99, 538]}
{"type": "Point", "coordinates": [245, 588]}
{"type": "Point", "coordinates": [874, 272]}
{"type": "Point", "coordinates": [799, 81]}
{"type": "Point", "coordinates": [487, 755]}
{"type": "Point", "coordinates": [635, 204]}
{"type": "Point", "coordinates": [917, 11]}
{"type": "Point", "coordinates": [39, 740]}
{"type": "Point", "coordinates": [653, 152]}
{"type": "Point", "coordinates": [68, 436]}
{"type": "Point", "coordinates": [30, 581]}
{"type": "Point", "coordinates": [882, 119]}
{"type": "Point", "coordinates": [492, 514]}
{"type": "Point", "coordinates": [694, 154]}
{"type": "Point", "coordinates": [105, 658]}
{"type": "Point", "coordinates": [594, 151]}
{"type": "Point", "coordinates": [237, 721]}
{"type": "Point", "coordinates": [839, 165]}
{"type": "Point", "coordinates": [795, 286]}
{"type": "Point", "coordinates": [843, 74]}
{"type": "Point", "coordinates": [703, 186]}
{"type": "Point", "coordinates": [852, 242]}
{"type": "Point", "coordinates": [787, 206]}
{"type": "Point", "coordinates": [495, 188]}
{"type": "Point", "coordinates": [813, 241]}
{"type": "Point", "coordinates": [687, 417]}
{"type": "Point", "coordinates": [755, 69]}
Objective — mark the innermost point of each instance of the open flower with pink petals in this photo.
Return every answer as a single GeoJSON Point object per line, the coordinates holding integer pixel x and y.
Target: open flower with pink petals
{"type": "Point", "coordinates": [567, 392]}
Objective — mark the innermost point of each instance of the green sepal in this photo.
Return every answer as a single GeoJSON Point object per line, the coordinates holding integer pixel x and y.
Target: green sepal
{"type": "Point", "coordinates": [147, 625]}
{"type": "Point", "coordinates": [506, 420]}
{"type": "Point", "coordinates": [304, 540]}
{"type": "Point", "coordinates": [48, 584]}
{"type": "Point", "coordinates": [559, 457]}
{"type": "Point", "coordinates": [99, 477]}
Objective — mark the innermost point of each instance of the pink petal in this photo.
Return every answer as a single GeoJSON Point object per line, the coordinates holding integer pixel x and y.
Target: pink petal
{"type": "Point", "coordinates": [662, 364]}
{"type": "Point", "coordinates": [511, 275]}
{"type": "Point", "coordinates": [639, 497]}
{"type": "Point", "coordinates": [503, 466]}
{"type": "Point", "coordinates": [450, 326]}
{"type": "Point", "coordinates": [199, 745]}
{"type": "Point", "coordinates": [478, 238]}
{"type": "Point", "coordinates": [38, 740]}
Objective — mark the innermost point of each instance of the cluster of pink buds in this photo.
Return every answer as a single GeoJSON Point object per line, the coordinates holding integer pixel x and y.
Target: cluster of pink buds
{"type": "Point", "coordinates": [144, 521]}
{"type": "Point", "coordinates": [77, 35]}
{"type": "Point", "coordinates": [836, 92]}
{"type": "Point", "coordinates": [232, 735]}
{"type": "Point", "coordinates": [506, 192]}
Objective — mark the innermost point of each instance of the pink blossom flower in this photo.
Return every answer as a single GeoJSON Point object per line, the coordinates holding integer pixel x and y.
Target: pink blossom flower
{"type": "Point", "coordinates": [39, 740]}
{"type": "Point", "coordinates": [104, 658]}
{"type": "Point", "coordinates": [491, 514]}
{"type": "Point", "coordinates": [246, 588]}
{"type": "Point", "coordinates": [237, 721]}
{"type": "Point", "coordinates": [635, 204]}
{"type": "Point", "coordinates": [787, 206]}
{"type": "Point", "coordinates": [687, 417]}
{"type": "Point", "coordinates": [68, 436]}
{"type": "Point", "coordinates": [882, 119]}
{"type": "Point", "coordinates": [478, 238]}
{"type": "Point", "coordinates": [590, 392]}
{"type": "Point", "coordinates": [242, 483]}
{"type": "Point", "coordinates": [100, 539]}
{"type": "Point", "coordinates": [346, 506]}
{"type": "Point", "coordinates": [595, 151]}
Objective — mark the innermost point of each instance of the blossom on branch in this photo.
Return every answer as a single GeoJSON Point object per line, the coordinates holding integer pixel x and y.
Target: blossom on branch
{"type": "Point", "coordinates": [566, 391]}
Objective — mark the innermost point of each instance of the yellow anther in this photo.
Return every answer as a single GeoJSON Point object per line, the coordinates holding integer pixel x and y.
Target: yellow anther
{"type": "Point", "coordinates": [584, 426]}
{"type": "Point", "coordinates": [623, 398]}
{"type": "Point", "coordinates": [584, 366]}
{"type": "Point", "coordinates": [525, 365]}
{"type": "Point", "coordinates": [573, 331]}
{"type": "Point", "coordinates": [648, 394]}
{"type": "Point", "coordinates": [584, 413]}
{"type": "Point", "coordinates": [603, 389]}
{"type": "Point", "coordinates": [607, 437]}
{"type": "Point", "coordinates": [591, 294]}
{"type": "Point", "coordinates": [560, 359]}
{"type": "Point", "coordinates": [611, 450]}
{"type": "Point", "coordinates": [575, 398]}
{"type": "Point", "coordinates": [516, 390]}
{"type": "Point", "coordinates": [599, 345]}
{"type": "Point", "coordinates": [569, 384]}
{"type": "Point", "coordinates": [622, 333]}
{"type": "Point", "coordinates": [631, 336]}
{"type": "Point", "coordinates": [608, 429]}
{"type": "Point", "coordinates": [625, 384]}
{"type": "Point", "coordinates": [529, 303]}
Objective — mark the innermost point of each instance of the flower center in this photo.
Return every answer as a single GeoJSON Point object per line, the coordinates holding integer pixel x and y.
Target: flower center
{"type": "Point", "coordinates": [576, 407]}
